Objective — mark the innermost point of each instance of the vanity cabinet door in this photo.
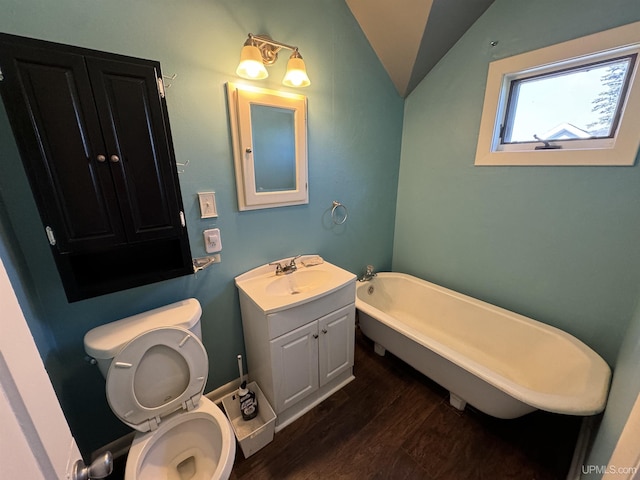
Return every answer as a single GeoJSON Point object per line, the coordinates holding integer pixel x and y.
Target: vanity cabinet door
{"type": "Point", "coordinates": [294, 357]}
{"type": "Point", "coordinates": [337, 338]}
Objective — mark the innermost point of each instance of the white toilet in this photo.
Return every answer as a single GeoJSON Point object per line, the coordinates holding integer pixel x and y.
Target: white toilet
{"type": "Point", "coordinates": [156, 369]}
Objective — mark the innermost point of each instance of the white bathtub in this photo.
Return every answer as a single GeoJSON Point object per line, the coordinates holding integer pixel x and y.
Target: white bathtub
{"type": "Point", "coordinates": [502, 363]}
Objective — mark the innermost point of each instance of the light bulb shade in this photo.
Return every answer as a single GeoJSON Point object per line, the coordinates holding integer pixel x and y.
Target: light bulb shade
{"type": "Point", "coordinates": [251, 65]}
{"type": "Point", "coordinates": [296, 75]}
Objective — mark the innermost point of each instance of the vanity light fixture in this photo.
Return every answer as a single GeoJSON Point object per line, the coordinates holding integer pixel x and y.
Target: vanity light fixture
{"type": "Point", "coordinates": [261, 50]}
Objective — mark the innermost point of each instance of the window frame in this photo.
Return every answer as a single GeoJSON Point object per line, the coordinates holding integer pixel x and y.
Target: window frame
{"type": "Point", "coordinates": [514, 81]}
{"type": "Point", "coordinates": [621, 149]}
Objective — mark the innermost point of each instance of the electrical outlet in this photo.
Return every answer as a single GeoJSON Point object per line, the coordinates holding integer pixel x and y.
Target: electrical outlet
{"type": "Point", "coordinates": [212, 240]}
{"type": "Point", "coordinates": [208, 207]}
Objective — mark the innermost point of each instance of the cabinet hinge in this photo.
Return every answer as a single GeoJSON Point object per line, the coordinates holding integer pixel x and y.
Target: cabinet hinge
{"type": "Point", "coordinates": [50, 235]}
{"type": "Point", "coordinates": [183, 222]}
{"type": "Point", "coordinates": [160, 87]}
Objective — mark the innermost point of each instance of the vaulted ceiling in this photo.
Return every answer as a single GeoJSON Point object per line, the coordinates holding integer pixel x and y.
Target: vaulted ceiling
{"type": "Point", "coordinates": [411, 36]}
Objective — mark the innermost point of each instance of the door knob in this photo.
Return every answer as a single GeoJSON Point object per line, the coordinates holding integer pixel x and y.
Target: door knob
{"type": "Point", "coordinates": [101, 467]}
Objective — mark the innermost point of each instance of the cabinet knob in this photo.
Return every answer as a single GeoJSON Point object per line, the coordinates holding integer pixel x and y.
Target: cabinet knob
{"type": "Point", "coordinates": [324, 330]}
{"type": "Point", "coordinates": [315, 335]}
{"type": "Point", "coordinates": [115, 158]}
{"type": "Point", "coordinates": [101, 158]}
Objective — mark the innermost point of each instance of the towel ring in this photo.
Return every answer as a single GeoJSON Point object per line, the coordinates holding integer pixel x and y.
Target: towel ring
{"type": "Point", "coordinates": [335, 220]}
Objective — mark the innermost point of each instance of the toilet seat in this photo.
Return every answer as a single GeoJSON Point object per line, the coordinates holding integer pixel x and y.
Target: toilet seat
{"type": "Point", "coordinates": [155, 374]}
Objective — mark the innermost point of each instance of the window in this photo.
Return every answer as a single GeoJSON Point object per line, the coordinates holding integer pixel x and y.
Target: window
{"type": "Point", "coordinates": [573, 103]}
{"type": "Point", "coordinates": [579, 103]}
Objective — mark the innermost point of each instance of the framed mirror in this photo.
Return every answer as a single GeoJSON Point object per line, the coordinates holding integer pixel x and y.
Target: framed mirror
{"type": "Point", "coordinates": [269, 134]}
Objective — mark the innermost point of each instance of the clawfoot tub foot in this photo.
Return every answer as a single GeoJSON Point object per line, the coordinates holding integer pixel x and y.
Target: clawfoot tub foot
{"type": "Point", "coordinates": [456, 401]}
{"type": "Point", "coordinates": [379, 349]}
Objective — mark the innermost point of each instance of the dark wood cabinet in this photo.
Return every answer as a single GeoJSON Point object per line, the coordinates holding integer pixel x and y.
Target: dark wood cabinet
{"type": "Point", "coordinates": [93, 133]}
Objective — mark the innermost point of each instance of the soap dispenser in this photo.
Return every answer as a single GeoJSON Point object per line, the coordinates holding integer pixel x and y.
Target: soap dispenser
{"type": "Point", "coordinates": [248, 402]}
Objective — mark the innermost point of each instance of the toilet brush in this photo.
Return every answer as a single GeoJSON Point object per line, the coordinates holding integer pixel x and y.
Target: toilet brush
{"type": "Point", "coordinates": [248, 400]}
{"type": "Point", "coordinates": [240, 368]}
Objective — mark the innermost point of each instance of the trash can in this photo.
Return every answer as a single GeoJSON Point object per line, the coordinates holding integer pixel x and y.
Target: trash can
{"type": "Point", "coordinates": [252, 434]}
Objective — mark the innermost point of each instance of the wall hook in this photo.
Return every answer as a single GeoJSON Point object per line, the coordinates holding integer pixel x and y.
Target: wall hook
{"type": "Point", "coordinates": [172, 77]}
{"type": "Point", "coordinates": [182, 165]}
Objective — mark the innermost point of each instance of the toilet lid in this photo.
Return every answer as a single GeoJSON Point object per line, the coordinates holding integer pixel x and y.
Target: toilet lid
{"type": "Point", "coordinates": [155, 374]}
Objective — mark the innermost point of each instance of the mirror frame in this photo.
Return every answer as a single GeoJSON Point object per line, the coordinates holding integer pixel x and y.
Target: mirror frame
{"type": "Point", "coordinates": [240, 98]}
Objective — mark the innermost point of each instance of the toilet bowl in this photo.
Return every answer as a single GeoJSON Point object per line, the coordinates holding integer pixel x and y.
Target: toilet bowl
{"type": "Point", "coordinates": [156, 369]}
{"type": "Point", "coordinates": [184, 447]}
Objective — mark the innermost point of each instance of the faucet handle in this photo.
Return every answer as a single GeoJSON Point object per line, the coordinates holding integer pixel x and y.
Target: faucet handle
{"type": "Point", "coordinates": [278, 267]}
{"type": "Point", "coordinates": [292, 263]}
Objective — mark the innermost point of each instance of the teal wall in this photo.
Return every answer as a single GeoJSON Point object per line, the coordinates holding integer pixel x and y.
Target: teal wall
{"type": "Point", "coordinates": [558, 244]}
{"type": "Point", "coordinates": [624, 391]}
{"type": "Point", "coordinates": [355, 124]}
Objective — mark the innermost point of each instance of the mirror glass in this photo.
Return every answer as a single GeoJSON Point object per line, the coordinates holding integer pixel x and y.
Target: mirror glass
{"type": "Point", "coordinates": [269, 133]}
{"type": "Point", "coordinates": [274, 148]}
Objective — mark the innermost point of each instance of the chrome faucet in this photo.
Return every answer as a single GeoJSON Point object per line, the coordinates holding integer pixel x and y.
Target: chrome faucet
{"type": "Point", "coordinates": [286, 269]}
{"type": "Point", "coordinates": [368, 275]}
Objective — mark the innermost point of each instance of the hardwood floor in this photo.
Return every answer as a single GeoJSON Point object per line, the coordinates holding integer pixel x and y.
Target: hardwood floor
{"type": "Point", "coordinates": [391, 422]}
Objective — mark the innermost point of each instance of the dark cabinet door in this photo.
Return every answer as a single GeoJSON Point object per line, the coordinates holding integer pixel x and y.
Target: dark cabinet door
{"type": "Point", "coordinates": [49, 99]}
{"type": "Point", "coordinates": [94, 137]}
{"type": "Point", "coordinates": [130, 112]}
{"type": "Point", "coordinates": [99, 155]}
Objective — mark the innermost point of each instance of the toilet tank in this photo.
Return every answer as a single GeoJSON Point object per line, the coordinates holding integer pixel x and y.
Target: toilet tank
{"type": "Point", "coordinates": [104, 342]}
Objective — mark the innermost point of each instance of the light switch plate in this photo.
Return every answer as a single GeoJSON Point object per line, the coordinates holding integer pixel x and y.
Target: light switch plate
{"type": "Point", "coordinates": [208, 207]}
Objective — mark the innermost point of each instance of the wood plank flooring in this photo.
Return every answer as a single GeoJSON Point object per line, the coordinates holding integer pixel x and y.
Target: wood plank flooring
{"type": "Point", "coordinates": [394, 423]}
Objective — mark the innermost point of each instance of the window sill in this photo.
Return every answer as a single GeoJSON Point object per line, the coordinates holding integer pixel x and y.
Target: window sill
{"type": "Point", "coordinates": [563, 157]}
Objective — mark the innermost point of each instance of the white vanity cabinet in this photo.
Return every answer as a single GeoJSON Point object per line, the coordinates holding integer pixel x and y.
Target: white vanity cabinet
{"type": "Point", "coordinates": [311, 356]}
{"type": "Point", "coordinates": [301, 352]}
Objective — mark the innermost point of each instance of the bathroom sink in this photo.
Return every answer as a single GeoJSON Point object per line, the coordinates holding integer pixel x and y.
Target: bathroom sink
{"type": "Point", "coordinates": [298, 282]}
{"type": "Point", "coordinates": [273, 292]}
